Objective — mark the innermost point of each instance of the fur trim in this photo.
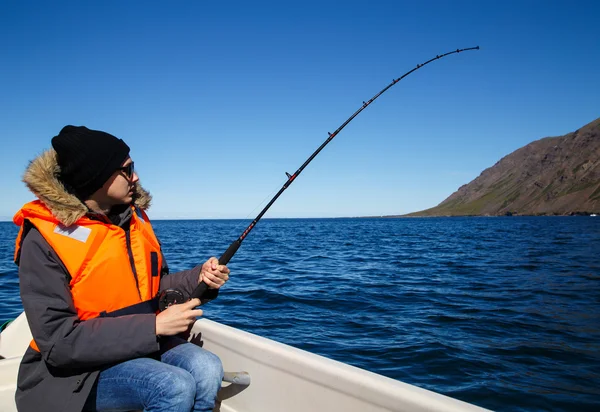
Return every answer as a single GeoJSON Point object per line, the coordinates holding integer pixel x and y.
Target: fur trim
{"type": "Point", "coordinates": [41, 178]}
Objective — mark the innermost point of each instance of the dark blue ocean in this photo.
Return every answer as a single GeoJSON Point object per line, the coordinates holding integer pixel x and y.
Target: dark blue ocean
{"type": "Point", "coordinates": [501, 312]}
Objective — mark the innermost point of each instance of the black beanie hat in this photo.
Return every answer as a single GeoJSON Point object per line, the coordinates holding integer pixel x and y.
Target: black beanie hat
{"type": "Point", "coordinates": [87, 158]}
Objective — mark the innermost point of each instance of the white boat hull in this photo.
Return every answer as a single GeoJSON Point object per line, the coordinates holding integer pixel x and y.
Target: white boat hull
{"type": "Point", "coordinates": [282, 378]}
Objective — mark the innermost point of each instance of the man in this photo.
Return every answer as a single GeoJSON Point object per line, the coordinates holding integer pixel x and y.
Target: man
{"type": "Point", "coordinates": [90, 268]}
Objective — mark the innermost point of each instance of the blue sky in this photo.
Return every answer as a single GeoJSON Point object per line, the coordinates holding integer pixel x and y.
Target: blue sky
{"type": "Point", "coordinates": [219, 99]}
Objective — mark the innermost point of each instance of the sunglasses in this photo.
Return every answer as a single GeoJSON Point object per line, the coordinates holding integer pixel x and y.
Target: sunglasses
{"type": "Point", "coordinates": [127, 170]}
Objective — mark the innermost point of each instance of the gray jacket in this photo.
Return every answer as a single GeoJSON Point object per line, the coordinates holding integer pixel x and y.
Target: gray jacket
{"type": "Point", "coordinates": [72, 352]}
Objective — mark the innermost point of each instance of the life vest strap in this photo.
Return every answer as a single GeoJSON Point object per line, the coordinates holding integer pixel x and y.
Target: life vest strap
{"type": "Point", "coordinates": [147, 306]}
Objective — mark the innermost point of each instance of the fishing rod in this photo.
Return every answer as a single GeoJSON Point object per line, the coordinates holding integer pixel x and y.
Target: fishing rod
{"type": "Point", "coordinates": [172, 296]}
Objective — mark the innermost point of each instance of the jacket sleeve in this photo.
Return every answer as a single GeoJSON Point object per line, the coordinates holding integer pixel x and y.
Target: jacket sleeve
{"type": "Point", "coordinates": [63, 339]}
{"type": "Point", "coordinates": [186, 281]}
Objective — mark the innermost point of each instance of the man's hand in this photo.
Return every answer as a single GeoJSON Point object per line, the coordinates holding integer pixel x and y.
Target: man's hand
{"type": "Point", "coordinates": [213, 274]}
{"type": "Point", "coordinates": [177, 318]}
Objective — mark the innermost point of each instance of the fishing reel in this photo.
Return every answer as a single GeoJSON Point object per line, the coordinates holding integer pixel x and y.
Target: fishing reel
{"type": "Point", "coordinates": [170, 297]}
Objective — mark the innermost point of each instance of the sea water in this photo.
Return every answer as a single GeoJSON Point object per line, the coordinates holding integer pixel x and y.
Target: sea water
{"type": "Point", "coordinates": [502, 312]}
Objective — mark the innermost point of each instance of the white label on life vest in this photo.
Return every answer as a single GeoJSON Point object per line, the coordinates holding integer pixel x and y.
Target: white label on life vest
{"type": "Point", "coordinates": [75, 232]}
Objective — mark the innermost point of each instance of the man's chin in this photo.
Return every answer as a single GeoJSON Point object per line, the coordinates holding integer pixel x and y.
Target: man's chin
{"type": "Point", "coordinates": [127, 200]}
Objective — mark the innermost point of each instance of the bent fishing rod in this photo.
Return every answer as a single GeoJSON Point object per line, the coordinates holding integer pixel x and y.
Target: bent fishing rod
{"type": "Point", "coordinates": [172, 296]}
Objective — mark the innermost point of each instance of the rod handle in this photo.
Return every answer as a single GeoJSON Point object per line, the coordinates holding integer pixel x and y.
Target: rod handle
{"type": "Point", "coordinates": [223, 260]}
{"type": "Point", "coordinates": [226, 257]}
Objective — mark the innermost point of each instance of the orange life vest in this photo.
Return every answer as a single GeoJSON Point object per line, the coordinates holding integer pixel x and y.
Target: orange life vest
{"type": "Point", "coordinates": [100, 258]}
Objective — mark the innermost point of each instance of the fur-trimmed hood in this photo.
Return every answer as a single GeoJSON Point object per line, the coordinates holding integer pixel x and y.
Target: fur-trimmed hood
{"type": "Point", "coordinates": [41, 178]}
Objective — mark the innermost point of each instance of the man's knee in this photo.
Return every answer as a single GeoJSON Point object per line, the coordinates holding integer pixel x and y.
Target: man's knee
{"type": "Point", "coordinates": [179, 389]}
{"type": "Point", "coordinates": [205, 365]}
{"type": "Point", "coordinates": [214, 366]}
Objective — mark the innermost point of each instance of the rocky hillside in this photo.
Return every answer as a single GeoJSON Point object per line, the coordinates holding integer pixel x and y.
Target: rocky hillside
{"type": "Point", "coordinates": [551, 176]}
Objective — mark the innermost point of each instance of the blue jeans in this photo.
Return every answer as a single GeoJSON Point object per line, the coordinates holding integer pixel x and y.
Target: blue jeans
{"type": "Point", "coordinates": [185, 379]}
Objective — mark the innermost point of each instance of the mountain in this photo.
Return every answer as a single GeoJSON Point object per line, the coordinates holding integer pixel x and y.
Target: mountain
{"type": "Point", "coordinates": [550, 176]}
